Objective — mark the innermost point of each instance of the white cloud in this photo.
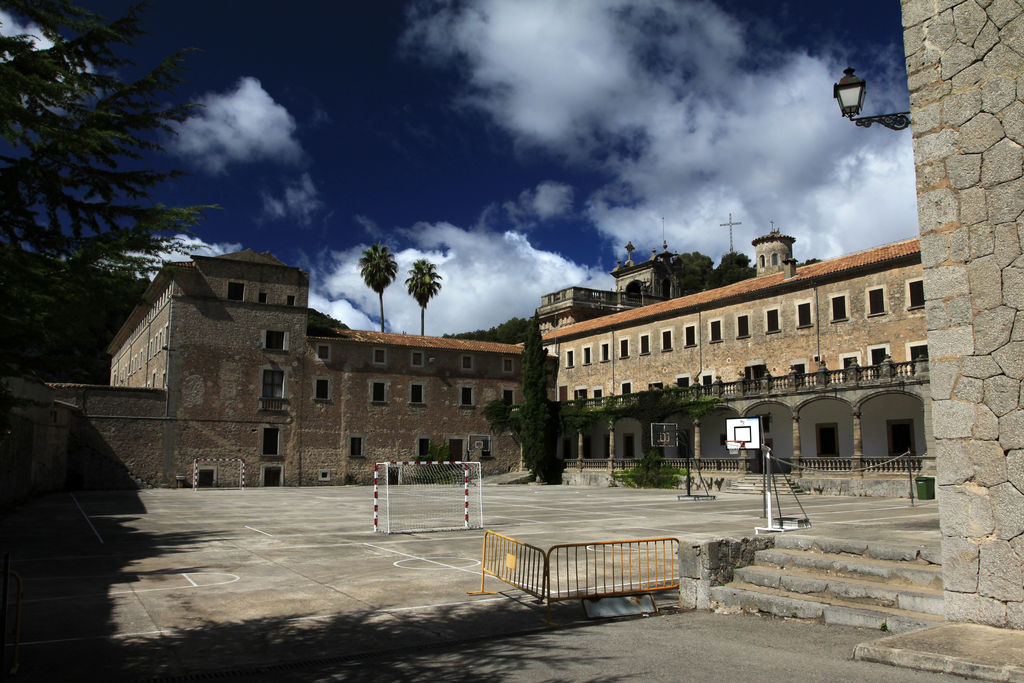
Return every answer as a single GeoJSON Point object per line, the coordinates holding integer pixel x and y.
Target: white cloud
{"type": "Point", "coordinates": [547, 201]}
{"type": "Point", "coordinates": [242, 125]}
{"type": "Point", "coordinates": [476, 267]}
{"type": "Point", "coordinates": [300, 202]}
{"type": "Point", "coordinates": [10, 26]}
{"type": "Point", "coordinates": [663, 99]}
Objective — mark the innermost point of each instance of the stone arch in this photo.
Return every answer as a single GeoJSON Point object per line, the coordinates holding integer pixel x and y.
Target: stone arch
{"type": "Point", "coordinates": [799, 407]}
{"type": "Point", "coordinates": [892, 423]}
{"type": "Point", "coordinates": [826, 427]}
{"type": "Point", "coordinates": [712, 431]}
{"type": "Point", "coordinates": [635, 287]}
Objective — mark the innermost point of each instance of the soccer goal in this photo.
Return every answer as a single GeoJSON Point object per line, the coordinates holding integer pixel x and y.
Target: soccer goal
{"type": "Point", "coordinates": [426, 496]}
{"type": "Point", "coordinates": [218, 473]}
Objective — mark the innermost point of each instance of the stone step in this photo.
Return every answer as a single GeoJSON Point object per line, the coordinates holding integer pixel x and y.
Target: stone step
{"type": "Point", "coordinates": [902, 573]}
{"type": "Point", "coordinates": [751, 598]}
{"type": "Point", "coordinates": [904, 552]}
{"type": "Point", "coordinates": [815, 585]}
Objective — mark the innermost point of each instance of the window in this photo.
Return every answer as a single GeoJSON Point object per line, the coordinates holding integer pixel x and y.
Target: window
{"type": "Point", "coordinates": [423, 447]}
{"type": "Point", "coordinates": [378, 392]}
{"type": "Point", "coordinates": [605, 353]}
{"type": "Point", "coordinates": [803, 315]}
{"type": "Point", "coordinates": [627, 387]}
{"type": "Point", "coordinates": [915, 294]}
{"type": "Point", "coordinates": [754, 371]}
{"type": "Point", "coordinates": [506, 365]}
{"type": "Point", "coordinates": [508, 396]}
{"type": "Point", "coordinates": [568, 359]}
{"type": "Point", "coordinates": [466, 396]}
{"type": "Point", "coordinates": [876, 301]}
{"type": "Point", "coordinates": [323, 351]}
{"type": "Point", "coordinates": [624, 348]}
{"type": "Point", "coordinates": [467, 362]}
{"type": "Point", "coordinates": [262, 297]}
{"type": "Point", "coordinates": [645, 344]}
{"type": "Point", "coordinates": [415, 393]}
{"type": "Point", "coordinates": [691, 335]}
{"type": "Point", "coordinates": [322, 391]}
{"type": "Point", "coordinates": [683, 381]}
{"type": "Point", "coordinates": [273, 384]}
{"type": "Point", "coordinates": [918, 352]}
{"type": "Point", "coordinates": [380, 356]}
{"type": "Point", "coordinates": [579, 393]}
{"type": "Point", "coordinates": [828, 439]}
{"type": "Point", "coordinates": [236, 291]}
{"type": "Point", "coordinates": [742, 326]}
{"type": "Point", "coordinates": [849, 361]}
{"type": "Point", "coordinates": [775, 259]}
{"type": "Point", "coordinates": [771, 321]}
{"type": "Point", "coordinates": [598, 392]}
{"type": "Point", "coordinates": [290, 300]}
{"type": "Point", "coordinates": [716, 331]}
{"type": "Point", "coordinates": [762, 260]}
{"type": "Point", "coordinates": [324, 474]}
{"type": "Point", "coordinates": [586, 355]}
{"type": "Point", "coordinates": [355, 446]}
{"type": "Point", "coordinates": [270, 441]}
{"type": "Point", "coordinates": [563, 393]}
{"type": "Point", "coordinates": [416, 359]}
{"type": "Point", "coordinates": [706, 380]}
{"type": "Point", "coordinates": [666, 340]}
{"type": "Point", "coordinates": [878, 354]}
{"type": "Point", "coordinates": [274, 340]}
{"type": "Point", "coordinates": [838, 308]}
{"type": "Point", "coordinates": [654, 385]}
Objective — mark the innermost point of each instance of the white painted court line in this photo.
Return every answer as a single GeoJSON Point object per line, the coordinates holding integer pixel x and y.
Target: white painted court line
{"type": "Point", "coordinates": [424, 559]}
{"type": "Point", "coordinates": [88, 521]}
{"type": "Point", "coordinates": [189, 579]}
{"type": "Point", "coordinates": [883, 519]}
{"type": "Point", "coordinates": [258, 531]}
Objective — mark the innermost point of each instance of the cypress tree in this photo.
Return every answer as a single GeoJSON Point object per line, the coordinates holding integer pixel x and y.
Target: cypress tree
{"type": "Point", "coordinates": [537, 424]}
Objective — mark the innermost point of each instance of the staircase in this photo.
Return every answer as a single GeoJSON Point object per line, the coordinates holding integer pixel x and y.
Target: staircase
{"type": "Point", "coordinates": [752, 483]}
{"type": "Point", "coordinates": [884, 586]}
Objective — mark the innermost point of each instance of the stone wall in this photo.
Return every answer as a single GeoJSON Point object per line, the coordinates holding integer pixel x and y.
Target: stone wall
{"type": "Point", "coordinates": [965, 69]}
{"type": "Point", "coordinates": [33, 451]}
{"type": "Point", "coordinates": [705, 564]}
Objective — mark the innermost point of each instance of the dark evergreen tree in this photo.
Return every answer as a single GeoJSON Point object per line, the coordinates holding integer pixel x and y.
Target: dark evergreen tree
{"type": "Point", "coordinates": [512, 331]}
{"type": "Point", "coordinates": [694, 270]}
{"type": "Point", "coordinates": [732, 268]}
{"type": "Point", "coordinates": [536, 424]}
{"type": "Point", "coordinates": [77, 223]}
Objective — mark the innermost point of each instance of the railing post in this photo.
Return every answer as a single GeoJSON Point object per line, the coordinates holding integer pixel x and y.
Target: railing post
{"type": "Point", "coordinates": [858, 445]}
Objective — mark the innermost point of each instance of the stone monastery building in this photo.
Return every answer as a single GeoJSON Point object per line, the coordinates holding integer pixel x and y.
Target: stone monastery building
{"type": "Point", "coordinates": [833, 355]}
{"type": "Point", "coordinates": [216, 364]}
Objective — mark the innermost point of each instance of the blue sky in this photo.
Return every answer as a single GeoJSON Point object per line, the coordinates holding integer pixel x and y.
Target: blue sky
{"type": "Point", "coordinates": [519, 144]}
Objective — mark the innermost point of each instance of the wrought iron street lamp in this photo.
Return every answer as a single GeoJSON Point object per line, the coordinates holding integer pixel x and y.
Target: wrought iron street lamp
{"type": "Point", "coordinates": [849, 92]}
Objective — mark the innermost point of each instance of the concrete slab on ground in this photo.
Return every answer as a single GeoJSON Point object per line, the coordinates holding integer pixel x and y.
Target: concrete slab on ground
{"type": "Point", "coordinates": [169, 582]}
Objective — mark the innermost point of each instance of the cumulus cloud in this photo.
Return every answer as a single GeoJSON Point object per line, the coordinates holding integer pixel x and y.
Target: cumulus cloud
{"type": "Point", "coordinates": [299, 203]}
{"type": "Point", "coordinates": [242, 125]}
{"type": "Point", "coordinates": [667, 100]}
{"type": "Point", "coordinates": [10, 26]}
{"type": "Point", "coordinates": [548, 200]}
{"type": "Point", "coordinates": [476, 266]}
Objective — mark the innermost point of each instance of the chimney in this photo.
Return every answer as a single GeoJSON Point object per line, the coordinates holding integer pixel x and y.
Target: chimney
{"type": "Point", "coordinates": [789, 267]}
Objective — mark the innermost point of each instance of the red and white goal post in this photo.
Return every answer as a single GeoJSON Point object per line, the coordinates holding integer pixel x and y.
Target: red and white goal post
{"type": "Point", "coordinates": [230, 464]}
{"type": "Point", "coordinates": [411, 496]}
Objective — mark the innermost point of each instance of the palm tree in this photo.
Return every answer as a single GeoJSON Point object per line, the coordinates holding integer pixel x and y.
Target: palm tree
{"type": "Point", "coordinates": [424, 283]}
{"type": "Point", "coordinates": [378, 268]}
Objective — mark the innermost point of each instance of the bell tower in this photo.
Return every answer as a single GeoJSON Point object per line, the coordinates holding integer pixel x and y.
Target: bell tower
{"type": "Point", "coordinates": [773, 252]}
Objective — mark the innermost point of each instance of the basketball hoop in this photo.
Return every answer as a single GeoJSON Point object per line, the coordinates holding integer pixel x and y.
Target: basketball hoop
{"type": "Point", "coordinates": [735, 446]}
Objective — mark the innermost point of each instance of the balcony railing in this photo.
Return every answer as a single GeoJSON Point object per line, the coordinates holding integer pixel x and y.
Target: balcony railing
{"type": "Point", "coordinates": [597, 298]}
{"type": "Point", "coordinates": [810, 467]}
{"type": "Point", "coordinates": [273, 404]}
{"type": "Point", "coordinates": [871, 375]}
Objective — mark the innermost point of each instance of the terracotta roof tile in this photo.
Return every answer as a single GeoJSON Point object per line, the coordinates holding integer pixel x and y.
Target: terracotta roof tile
{"type": "Point", "coordinates": [412, 340]}
{"type": "Point", "coordinates": [853, 261]}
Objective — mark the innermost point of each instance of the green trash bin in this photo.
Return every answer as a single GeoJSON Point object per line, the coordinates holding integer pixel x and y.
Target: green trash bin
{"type": "Point", "coordinates": [925, 488]}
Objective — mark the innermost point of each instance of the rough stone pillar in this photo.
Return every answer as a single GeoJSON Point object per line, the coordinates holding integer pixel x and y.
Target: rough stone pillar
{"type": "Point", "coordinates": [696, 439]}
{"type": "Point", "coordinates": [965, 71]}
{"type": "Point", "coordinates": [797, 470]}
{"type": "Point", "coordinates": [579, 445]}
{"type": "Point", "coordinates": [858, 445]}
{"type": "Point", "coordinates": [611, 440]}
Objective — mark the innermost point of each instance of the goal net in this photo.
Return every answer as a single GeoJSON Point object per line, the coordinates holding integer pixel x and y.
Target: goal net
{"type": "Point", "coordinates": [220, 473]}
{"type": "Point", "coordinates": [426, 496]}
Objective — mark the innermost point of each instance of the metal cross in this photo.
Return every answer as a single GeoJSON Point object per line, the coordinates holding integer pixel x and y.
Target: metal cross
{"type": "Point", "coordinates": [730, 224]}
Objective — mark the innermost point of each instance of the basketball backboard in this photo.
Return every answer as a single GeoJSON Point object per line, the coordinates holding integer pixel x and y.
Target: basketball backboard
{"type": "Point", "coordinates": [747, 429]}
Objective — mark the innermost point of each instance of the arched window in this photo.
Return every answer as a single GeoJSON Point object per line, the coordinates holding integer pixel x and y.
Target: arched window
{"type": "Point", "coordinates": [762, 260]}
{"type": "Point", "coordinates": [634, 287]}
{"type": "Point", "coordinates": [775, 259]}
{"type": "Point", "coordinates": [666, 288]}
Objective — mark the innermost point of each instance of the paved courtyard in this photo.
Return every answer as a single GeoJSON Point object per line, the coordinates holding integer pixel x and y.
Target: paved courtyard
{"type": "Point", "coordinates": [163, 582]}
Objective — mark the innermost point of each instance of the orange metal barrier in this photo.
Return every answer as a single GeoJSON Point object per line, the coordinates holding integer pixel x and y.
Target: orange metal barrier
{"type": "Point", "coordinates": [519, 564]}
{"type": "Point", "coordinates": [610, 568]}
{"type": "Point", "coordinates": [575, 571]}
